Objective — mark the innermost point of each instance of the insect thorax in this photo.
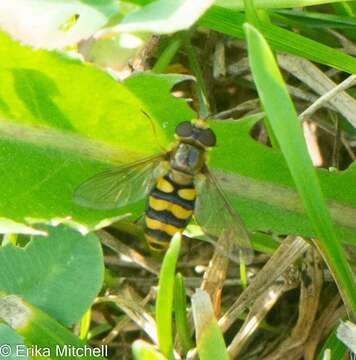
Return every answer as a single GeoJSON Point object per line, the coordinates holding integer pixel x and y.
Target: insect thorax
{"type": "Point", "coordinates": [187, 158]}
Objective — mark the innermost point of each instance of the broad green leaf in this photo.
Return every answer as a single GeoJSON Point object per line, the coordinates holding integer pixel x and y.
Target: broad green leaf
{"type": "Point", "coordinates": [61, 121]}
{"type": "Point", "coordinates": [12, 341]}
{"type": "Point", "coordinates": [140, 2]}
{"type": "Point", "coordinates": [106, 126]}
{"type": "Point", "coordinates": [42, 332]}
{"type": "Point", "coordinates": [163, 16]}
{"type": "Point", "coordinates": [60, 273]}
{"type": "Point", "coordinates": [284, 122]}
{"type": "Point", "coordinates": [263, 191]}
{"type": "Point", "coordinates": [165, 295]}
{"type": "Point", "coordinates": [230, 23]}
{"type": "Point", "coordinates": [270, 4]}
{"type": "Point", "coordinates": [209, 338]}
{"type": "Point", "coordinates": [54, 24]}
{"type": "Point", "coordinates": [145, 351]}
{"type": "Point", "coordinates": [114, 52]}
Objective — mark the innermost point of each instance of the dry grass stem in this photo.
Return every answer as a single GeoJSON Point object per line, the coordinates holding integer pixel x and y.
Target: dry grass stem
{"type": "Point", "coordinates": [135, 312]}
{"type": "Point", "coordinates": [290, 250]}
{"type": "Point", "coordinates": [215, 275]}
{"type": "Point", "coordinates": [120, 248]}
{"type": "Point", "coordinates": [324, 99]}
{"type": "Point", "coordinates": [312, 76]}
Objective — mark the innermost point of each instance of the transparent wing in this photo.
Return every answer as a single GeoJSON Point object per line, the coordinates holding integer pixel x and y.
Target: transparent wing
{"type": "Point", "coordinates": [217, 217]}
{"type": "Point", "coordinates": [120, 186]}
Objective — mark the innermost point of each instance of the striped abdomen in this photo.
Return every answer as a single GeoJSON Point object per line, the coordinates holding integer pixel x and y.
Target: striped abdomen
{"type": "Point", "coordinates": [169, 209]}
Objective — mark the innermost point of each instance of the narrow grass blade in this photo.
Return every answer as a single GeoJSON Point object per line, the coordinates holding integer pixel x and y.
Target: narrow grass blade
{"type": "Point", "coordinates": [164, 303]}
{"type": "Point", "coordinates": [167, 54]}
{"type": "Point", "coordinates": [264, 243]}
{"type": "Point", "coordinates": [85, 324]}
{"type": "Point", "coordinates": [210, 341]}
{"type": "Point", "coordinates": [347, 9]}
{"type": "Point", "coordinates": [251, 12]}
{"type": "Point", "coordinates": [230, 22]}
{"type": "Point", "coordinates": [337, 348]}
{"type": "Point", "coordinates": [145, 351]}
{"type": "Point", "coordinates": [268, 4]}
{"type": "Point", "coordinates": [197, 71]}
{"type": "Point", "coordinates": [285, 124]}
{"type": "Point", "coordinates": [318, 20]}
{"type": "Point", "coordinates": [180, 310]}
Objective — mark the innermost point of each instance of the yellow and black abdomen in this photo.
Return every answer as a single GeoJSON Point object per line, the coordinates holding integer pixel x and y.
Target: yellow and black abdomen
{"type": "Point", "coordinates": [169, 209]}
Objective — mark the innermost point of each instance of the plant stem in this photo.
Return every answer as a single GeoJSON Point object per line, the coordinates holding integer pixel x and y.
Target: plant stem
{"type": "Point", "coordinates": [201, 89]}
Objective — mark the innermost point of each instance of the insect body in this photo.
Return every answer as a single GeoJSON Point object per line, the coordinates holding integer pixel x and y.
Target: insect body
{"type": "Point", "coordinates": [169, 209]}
{"type": "Point", "coordinates": [172, 200]}
{"type": "Point", "coordinates": [175, 192]}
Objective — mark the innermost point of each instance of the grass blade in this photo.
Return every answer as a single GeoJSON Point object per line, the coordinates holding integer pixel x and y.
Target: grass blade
{"type": "Point", "coordinates": [85, 324]}
{"type": "Point", "coordinates": [210, 341]}
{"type": "Point", "coordinates": [230, 22]}
{"type": "Point", "coordinates": [145, 351]}
{"type": "Point", "coordinates": [285, 124]}
{"type": "Point", "coordinates": [267, 4]}
{"type": "Point", "coordinates": [180, 310]}
{"type": "Point", "coordinates": [337, 348]}
{"type": "Point", "coordinates": [318, 20]}
{"type": "Point", "coordinates": [202, 93]}
{"type": "Point", "coordinates": [164, 303]}
{"type": "Point", "coordinates": [167, 55]}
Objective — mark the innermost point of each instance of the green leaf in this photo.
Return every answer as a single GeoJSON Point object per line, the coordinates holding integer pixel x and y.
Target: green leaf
{"type": "Point", "coordinates": [54, 133]}
{"type": "Point", "coordinates": [316, 19]}
{"type": "Point", "coordinates": [346, 9]}
{"type": "Point", "coordinates": [164, 16]}
{"type": "Point", "coordinates": [42, 333]}
{"type": "Point", "coordinates": [263, 191]}
{"type": "Point", "coordinates": [174, 43]}
{"type": "Point", "coordinates": [10, 338]}
{"type": "Point", "coordinates": [230, 23]}
{"type": "Point", "coordinates": [85, 324]}
{"type": "Point", "coordinates": [285, 125]}
{"type": "Point", "coordinates": [209, 338]}
{"type": "Point", "coordinates": [50, 155]}
{"type": "Point", "coordinates": [181, 316]}
{"type": "Point", "coordinates": [145, 351]}
{"type": "Point", "coordinates": [200, 82]}
{"type": "Point", "coordinates": [251, 12]}
{"type": "Point", "coordinates": [337, 348]}
{"type": "Point", "coordinates": [61, 273]}
{"type": "Point", "coordinates": [114, 52]}
{"type": "Point", "coordinates": [54, 24]}
{"type": "Point", "coordinates": [164, 302]}
{"type": "Point", "coordinates": [270, 4]}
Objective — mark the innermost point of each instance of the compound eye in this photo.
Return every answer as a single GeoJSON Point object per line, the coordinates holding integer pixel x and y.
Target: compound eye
{"type": "Point", "coordinates": [207, 138]}
{"type": "Point", "coordinates": [184, 129]}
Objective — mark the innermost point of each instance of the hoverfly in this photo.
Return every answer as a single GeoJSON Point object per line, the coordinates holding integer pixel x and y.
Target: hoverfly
{"type": "Point", "coordinates": [179, 185]}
